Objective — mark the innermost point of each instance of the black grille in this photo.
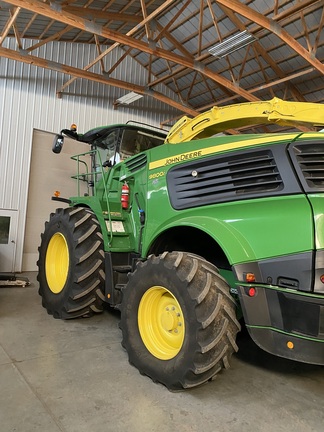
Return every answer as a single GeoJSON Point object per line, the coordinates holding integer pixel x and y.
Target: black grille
{"type": "Point", "coordinates": [136, 163]}
{"type": "Point", "coordinates": [310, 161]}
{"type": "Point", "coordinates": [226, 178]}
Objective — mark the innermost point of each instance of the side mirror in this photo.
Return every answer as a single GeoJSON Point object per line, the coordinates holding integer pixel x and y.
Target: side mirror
{"type": "Point", "coordinates": [58, 143]}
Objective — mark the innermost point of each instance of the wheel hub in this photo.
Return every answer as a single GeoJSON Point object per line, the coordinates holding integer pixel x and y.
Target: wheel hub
{"type": "Point", "coordinates": [161, 323]}
{"type": "Point", "coordinates": [169, 319]}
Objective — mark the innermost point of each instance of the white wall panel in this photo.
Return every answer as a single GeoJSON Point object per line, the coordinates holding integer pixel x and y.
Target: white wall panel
{"type": "Point", "coordinates": [28, 101]}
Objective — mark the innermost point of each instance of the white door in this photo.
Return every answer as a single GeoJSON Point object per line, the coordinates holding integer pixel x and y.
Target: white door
{"type": "Point", "coordinates": [8, 240]}
{"type": "Point", "coordinates": [48, 172]}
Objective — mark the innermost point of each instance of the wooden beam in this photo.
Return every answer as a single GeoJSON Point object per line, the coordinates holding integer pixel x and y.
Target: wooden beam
{"type": "Point", "coordinates": [99, 52]}
{"type": "Point", "coordinates": [17, 35]}
{"type": "Point", "coordinates": [319, 32]}
{"type": "Point", "coordinates": [175, 42]}
{"type": "Point", "coordinates": [119, 61]}
{"type": "Point", "coordinates": [144, 13]}
{"type": "Point", "coordinates": [92, 14]}
{"type": "Point", "coordinates": [80, 73]}
{"type": "Point", "coordinates": [115, 45]}
{"type": "Point", "coordinates": [200, 32]}
{"type": "Point", "coordinates": [49, 39]}
{"type": "Point", "coordinates": [166, 27]}
{"type": "Point", "coordinates": [262, 87]}
{"type": "Point", "coordinates": [9, 24]}
{"type": "Point", "coordinates": [264, 53]}
{"type": "Point", "coordinates": [274, 28]}
{"type": "Point", "coordinates": [91, 27]}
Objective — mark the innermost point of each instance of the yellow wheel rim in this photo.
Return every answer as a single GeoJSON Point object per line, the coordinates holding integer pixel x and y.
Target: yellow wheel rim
{"type": "Point", "coordinates": [57, 263]}
{"type": "Point", "coordinates": [161, 323]}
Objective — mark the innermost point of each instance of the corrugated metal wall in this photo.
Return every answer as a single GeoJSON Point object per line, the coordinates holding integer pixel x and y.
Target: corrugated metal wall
{"type": "Point", "coordinates": [28, 100]}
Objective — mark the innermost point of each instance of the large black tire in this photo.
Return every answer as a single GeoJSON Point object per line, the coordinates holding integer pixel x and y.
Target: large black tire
{"type": "Point", "coordinates": [71, 264]}
{"type": "Point", "coordinates": [178, 320]}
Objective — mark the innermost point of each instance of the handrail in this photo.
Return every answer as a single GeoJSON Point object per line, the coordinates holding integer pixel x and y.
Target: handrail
{"type": "Point", "coordinates": [78, 175]}
{"type": "Point", "coordinates": [88, 173]}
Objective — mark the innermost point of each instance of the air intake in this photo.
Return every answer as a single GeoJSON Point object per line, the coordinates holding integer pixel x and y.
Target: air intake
{"type": "Point", "coordinates": [310, 160]}
{"type": "Point", "coordinates": [136, 163]}
{"type": "Point", "coordinates": [214, 180]}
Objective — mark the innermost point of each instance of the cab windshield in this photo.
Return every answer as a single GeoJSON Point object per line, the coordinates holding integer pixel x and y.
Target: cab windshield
{"type": "Point", "coordinates": [122, 143]}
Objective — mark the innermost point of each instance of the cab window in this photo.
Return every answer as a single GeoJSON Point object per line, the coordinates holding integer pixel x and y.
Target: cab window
{"type": "Point", "coordinates": [136, 141]}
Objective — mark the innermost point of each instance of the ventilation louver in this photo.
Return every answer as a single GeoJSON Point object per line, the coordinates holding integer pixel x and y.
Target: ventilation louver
{"type": "Point", "coordinates": [310, 160]}
{"type": "Point", "coordinates": [136, 163]}
{"type": "Point", "coordinates": [214, 180]}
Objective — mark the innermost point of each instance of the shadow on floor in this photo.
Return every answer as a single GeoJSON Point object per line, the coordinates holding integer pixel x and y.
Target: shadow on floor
{"type": "Point", "coordinates": [250, 353]}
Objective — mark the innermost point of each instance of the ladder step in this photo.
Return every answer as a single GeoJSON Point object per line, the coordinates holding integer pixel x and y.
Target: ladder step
{"type": "Point", "coordinates": [122, 268]}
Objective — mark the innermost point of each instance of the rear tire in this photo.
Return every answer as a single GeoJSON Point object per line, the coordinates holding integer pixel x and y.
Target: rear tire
{"type": "Point", "coordinates": [71, 264]}
{"type": "Point", "coordinates": [178, 320]}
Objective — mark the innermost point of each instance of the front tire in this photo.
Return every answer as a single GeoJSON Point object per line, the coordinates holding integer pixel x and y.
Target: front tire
{"type": "Point", "coordinates": [71, 264]}
{"type": "Point", "coordinates": [178, 320]}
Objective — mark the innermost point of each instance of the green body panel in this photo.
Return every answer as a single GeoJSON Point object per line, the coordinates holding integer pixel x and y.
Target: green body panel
{"type": "Point", "coordinates": [247, 230]}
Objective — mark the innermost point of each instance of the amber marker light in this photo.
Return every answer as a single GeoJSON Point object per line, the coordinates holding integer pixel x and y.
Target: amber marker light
{"type": "Point", "coordinates": [73, 127]}
{"type": "Point", "coordinates": [322, 278]}
{"type": "Point", "coordinates": [250, 277]}
{"type": "Point", "coordinates": [57, 194]}
{"type": "Point", "coordinates": [290, 345]}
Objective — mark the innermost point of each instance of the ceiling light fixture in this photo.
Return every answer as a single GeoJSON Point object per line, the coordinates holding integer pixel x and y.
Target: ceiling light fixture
{"type": "Point", "coordinates": [232, 44]}
{"type": "Point", "coordinates": [129, 98]}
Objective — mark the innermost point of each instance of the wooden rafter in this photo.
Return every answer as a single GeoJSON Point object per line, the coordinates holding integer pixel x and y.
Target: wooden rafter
{"type": "Point", "coordinates": [17, 35]}
{"type": "Point", "coordinates": [83, 24]}
{"type": "Point", "coordinates": [262, 87]}
{"type": "Point", "coordinates": [259, 49]}
{"type": "Point", "coordinates": [319, 32]}
{"type": "Point", "coordinates": [92, 14]}
{"type": "Point", "coordinates": [282, 16]}
{"type": "Point", "coordinates": [144, 13]}
{"type": "Point", "coordinates": [165, 28]}
{"type": "Point", "coordinates": [123, 10]}
{"type": "Point", "coordinates": [49, 39]}
{"type": "Point", "coordinates": [201, 20]}
{"type": "Point", "coordinates": [178, 91]}
{"type": "Point", "coordinates": [288, 16]}
{"type": "Point", "coordinates": [59, 67]}
{"type": "Point", "coordinates": [99, 52]}
{"type": "Point", "coordinates": [29, 24]}
{"type": "Point", "coordinates": [115, 45]}
{"type": "Point", "coordinates": [138, 27]}
{"type": "Point", "coordinates": [10, 22]}
{"type": "Point", "coordinates": [119, 61]}
{"type": "Point", "coordinates": [273, 27]}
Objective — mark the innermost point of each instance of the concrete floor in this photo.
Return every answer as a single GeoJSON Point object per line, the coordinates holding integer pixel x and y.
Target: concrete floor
{"type": "Point", "coordinates": [74, 376]}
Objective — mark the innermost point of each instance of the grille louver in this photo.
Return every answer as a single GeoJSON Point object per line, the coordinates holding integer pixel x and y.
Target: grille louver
{"type": "Point", "coordinates": [228, 178]}
{"type": "Point", "coordinates": [136, 163]}
{"type": "Point", "coordinates": [310, 159]}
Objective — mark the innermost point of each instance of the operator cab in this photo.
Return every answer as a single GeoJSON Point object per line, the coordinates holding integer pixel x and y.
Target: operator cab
{"type": "Point", "coordinates": [115, 143]}
{"type": "Point", "coordinates": [119, 143]}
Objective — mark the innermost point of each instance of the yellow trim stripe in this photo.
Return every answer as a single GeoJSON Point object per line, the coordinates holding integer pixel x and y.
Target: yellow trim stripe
{"type": "Point", "coordinates": [219, 148]}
